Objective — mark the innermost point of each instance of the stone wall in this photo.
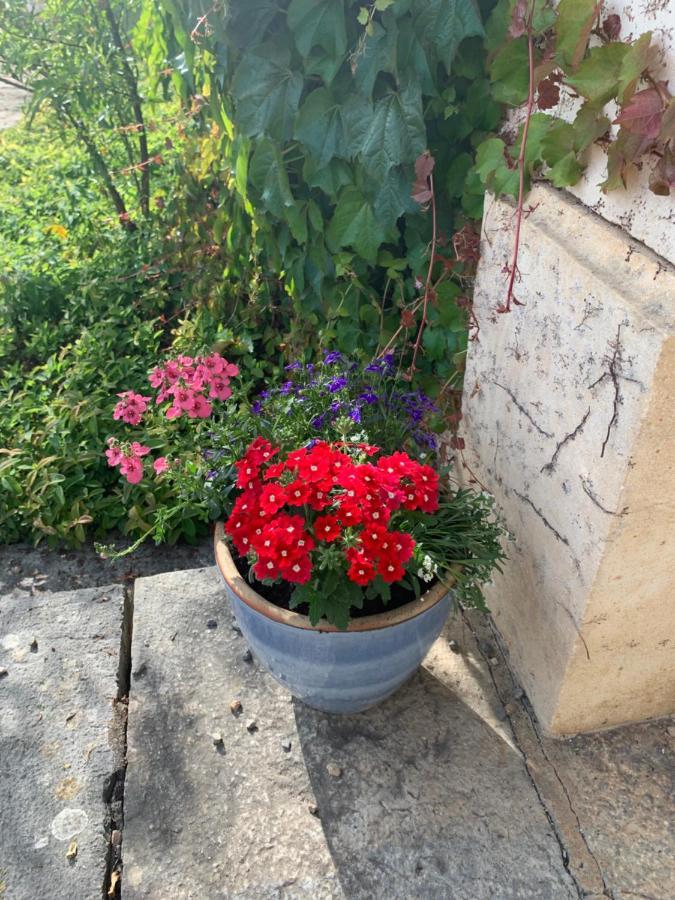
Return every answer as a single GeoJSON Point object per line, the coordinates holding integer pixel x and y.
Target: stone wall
{"type": "Point", "coordinates": [568, 421]}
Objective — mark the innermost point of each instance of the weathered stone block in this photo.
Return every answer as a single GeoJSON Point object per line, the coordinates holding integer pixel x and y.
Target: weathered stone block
{"type": "Point", "coordinates": [58, 755]}
{"type": "Point", "coordinates": [568, 420]}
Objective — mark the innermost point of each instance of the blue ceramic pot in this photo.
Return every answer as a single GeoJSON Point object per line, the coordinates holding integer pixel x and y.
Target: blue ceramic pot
{"type": "Point", "coordinates": [332, 670]}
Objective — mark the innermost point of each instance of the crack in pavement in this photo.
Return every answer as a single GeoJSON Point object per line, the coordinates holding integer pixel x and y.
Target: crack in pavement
{"type": "Point", "coordinates": [581, 864]}
{"type": "Point", "coordinates": [113, 791]}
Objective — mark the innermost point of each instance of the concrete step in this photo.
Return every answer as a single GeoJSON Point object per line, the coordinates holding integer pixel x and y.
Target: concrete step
{"type": "Point", "coordinates": [59, 750]}
{"type": "Point", "coordinates": [433, 799]}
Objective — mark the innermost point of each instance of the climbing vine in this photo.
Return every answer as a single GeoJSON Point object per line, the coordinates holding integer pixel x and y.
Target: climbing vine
{"type": "Point", "coordinates": [571, 57]}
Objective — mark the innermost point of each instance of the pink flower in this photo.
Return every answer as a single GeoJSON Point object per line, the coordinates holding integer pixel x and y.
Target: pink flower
{"type": "Point", "coordinates": [138, 449]}
{"type": "Point", "coordinates": [160, 465]}
{"type": "Point", "coordinates": [131, 407]}
{"type": "Point", "coordinates": [132, 469]}
{"type": "Point", "coordinates": [174, 412]}
{"type": "Point", "coordinates": [114, 456]}
{"type": "Point", "coordinates": [157, 377]}
{"type": "Point", "coordinates": [200, 408]}
{"type": "Point", "coordinates": [220, 389]}
{"type": "Point", "coordinates": [231, 370]}
{"type": "Point", "coordinates": [182, 398]}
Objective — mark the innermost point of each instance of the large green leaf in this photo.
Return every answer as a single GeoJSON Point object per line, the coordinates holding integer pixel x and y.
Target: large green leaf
{"type": "Point", "coordinates": [492, 166]}
{"type": "Point", "coordinates": [392, 196]}
{"type": "Point", "coordinates": [268, 174]}
{"type": "Point", "coordinates": [328, 178]}
{"type": "Point", "coordinates": [318, 23]}
{"type": "Point", "coordinates": [444, 23]}
{"type": "Point", "coordinates": [509, 72]}
{"type": "Point", "coordinates": [267, 92]}
{"type": "Point", "coordinates": [329, 128]}
{"type": "Point", "coordinates": [355, 225]}
{"type": "Point", "coordinates": [575, 21]}
{"type": "Point", "coordinates": [396, 133]}
{"type": "Point", "coordinates": [598, 75]}
{"type": "Point", "coordinates": [376, 54]}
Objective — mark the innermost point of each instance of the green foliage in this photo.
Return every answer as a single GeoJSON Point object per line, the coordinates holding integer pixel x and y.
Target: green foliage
{"type": "Point", "coordinates": [85, 311]}
{"type": "Point", "coordinates": [563, 61]}
{"type": "Point", "coordinates": [321, 109]}
{"type": "Point", "coordinates": [76, 58]}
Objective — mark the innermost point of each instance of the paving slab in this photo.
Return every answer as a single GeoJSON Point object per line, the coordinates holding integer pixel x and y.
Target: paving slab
{"type": "Point", "coordinates": [425, 796]}
{"type": "Point", "coordinates": [44, 569]}
{"type": "Point", "coordinates": [610, 795]}
{"type": "Point", "coordinates": [59, 658]}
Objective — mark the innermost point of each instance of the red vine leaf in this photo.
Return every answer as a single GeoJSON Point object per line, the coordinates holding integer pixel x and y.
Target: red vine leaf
{"type": "Point", "coordinates": [407, 318]}
{"type": "Point", "coordinates": [643, 113]}
{"type": "Point", "coordinates": [611, 27]}
{"type": "Point", "coordinates": [548, 92]}
{"type": "Point", "coordinates": [424, 166]}
{"type": "Point", "coordinates": [662, 179]}
{"type": "Point", "coordinates": [518, 26]}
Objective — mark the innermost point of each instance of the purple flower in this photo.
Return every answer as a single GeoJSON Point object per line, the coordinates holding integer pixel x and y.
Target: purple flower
{"type": "Point", "coordinates": [332, 357]}
{"type": "Point", "coordinates": [292, 366]}
{"type": "Point", "coordinates": [211, 474]}
{"type": "Point", "coordinates": [264, 395]}
{"type": "Point", "coordinates": [368, 396]}
{"type": "Point", "coordinates": [337, 384]}
{"type": "Point", "coordinates": [207, 454]}
{"type": "Point", "coordinates": [335, 407]}
{"type": "Point", "coordinates": [286, 387]}
{"type": "Point", "coordinates": [317, 421]}
{"type": "Point", "coordinates": [355, 414]}
{"type": "Point", "coordinates": [256, 408]}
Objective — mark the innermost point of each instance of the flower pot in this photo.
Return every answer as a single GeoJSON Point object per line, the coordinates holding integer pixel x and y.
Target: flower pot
{"type": "Point", "coordinates": [329, 669]}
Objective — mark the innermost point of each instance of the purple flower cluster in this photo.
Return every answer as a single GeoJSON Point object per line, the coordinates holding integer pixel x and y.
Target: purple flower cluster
{"type": "Point", "coordinates": [362, 394]}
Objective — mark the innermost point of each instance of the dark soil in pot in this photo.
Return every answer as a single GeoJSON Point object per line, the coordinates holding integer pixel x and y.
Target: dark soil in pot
{"type": "Point", "coordinates": [280, 594]}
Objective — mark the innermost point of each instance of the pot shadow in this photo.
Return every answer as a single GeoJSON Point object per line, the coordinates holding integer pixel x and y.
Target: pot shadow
{"type": "Point", "coordinates": [431, 802]}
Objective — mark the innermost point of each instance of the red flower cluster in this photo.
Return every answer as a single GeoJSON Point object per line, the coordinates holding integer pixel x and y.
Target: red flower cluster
{"type": "Point", "coordinates": [289, 508]}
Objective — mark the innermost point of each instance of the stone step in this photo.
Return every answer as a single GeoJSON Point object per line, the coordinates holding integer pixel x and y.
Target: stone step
{"type": "Point", "coordinates": [425, 796]}
{"type": "Point", "coordinates": [59, 658]}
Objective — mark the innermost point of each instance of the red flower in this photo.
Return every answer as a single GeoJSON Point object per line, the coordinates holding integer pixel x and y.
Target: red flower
{"type": "Point", "coordinates": [272, 498]}
{"type": "Point", "coordinates": [327, 528]}
{"type": "Point", "coordinates": [360, 570]}
{"type": "Point", "coordinates": [390, 569]}
{"type": "Point", "coordinates": [298, 570]}
{"type": "Point", "coordinates": [298, 492]}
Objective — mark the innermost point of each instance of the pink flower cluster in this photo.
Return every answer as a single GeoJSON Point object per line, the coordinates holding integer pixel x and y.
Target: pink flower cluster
{"type": "Point", "coordinates": [131, 407]}
{"type": "Point", "coordinates": [191, 384]}
{"type": "Point", "coordinates": [128, 459]}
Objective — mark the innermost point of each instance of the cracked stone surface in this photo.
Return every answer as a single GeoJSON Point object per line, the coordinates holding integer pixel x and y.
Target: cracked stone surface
{"type": "Point", "coordinates": [61, 655]}
{"type": "Point", "coordinates": [433, 799]}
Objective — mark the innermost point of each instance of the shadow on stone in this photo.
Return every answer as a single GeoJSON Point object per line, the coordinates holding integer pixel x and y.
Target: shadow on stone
{"type": "Point", "coordinates": [431, 802]}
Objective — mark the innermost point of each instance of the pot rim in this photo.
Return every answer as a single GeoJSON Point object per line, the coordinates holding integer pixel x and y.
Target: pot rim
{"type": "Point", "coordinates": [254, 600]}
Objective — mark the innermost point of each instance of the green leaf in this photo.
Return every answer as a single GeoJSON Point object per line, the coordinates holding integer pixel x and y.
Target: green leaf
{"type": "Point", "coordinates": [445, 23]}
{"type": "Point", "coordinates": [363, 16]}
{"type": "Point", "coordinates": [321, 127]}
{"type": "Point", "coordinates": [456, 174]}
{"type": "Point", "coordinates": [598, 75]}
{"type": "Point", "coordinates": [566, 171]}
{"type": "Point", "coordinates": [396, 133]}
{"type": "Point", "coordinates": [640, 55]}
{"type": "Point", "coordinates": [354, 225]}
{"type": "Point", "coordinates": [412, 61]}
{"type": "Point", "coordinates": [318, 23]}
{"type": "Point", "coordinates": [509, 73]}
{"type": "Point", "coordinates": [493, 168]}
{"type": "Point", "coordinates": [573, 28]}
{"type": "Point", "coordinates": [268, 174]}
{"type": "Point", "coordinates": [376, 54]}
{"type": "Point", "coordinates": [392, 196]}
{"type": "Point", "coordinates": [330, 178]}
{"type": "Point", "coordinates": [266, 92]}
